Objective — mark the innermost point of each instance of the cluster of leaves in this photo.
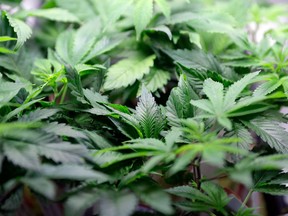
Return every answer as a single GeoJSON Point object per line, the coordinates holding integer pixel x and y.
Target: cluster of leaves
{"type": "Point", "coordinates": [74, 138]}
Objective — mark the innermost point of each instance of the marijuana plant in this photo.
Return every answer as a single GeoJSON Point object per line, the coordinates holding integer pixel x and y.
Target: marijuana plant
{"type": "Point", "coordinates": [118, 108]}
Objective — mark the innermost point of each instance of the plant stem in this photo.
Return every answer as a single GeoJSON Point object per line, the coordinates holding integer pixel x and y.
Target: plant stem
{"type": "Point", "coordinates": [197, 171]}
{"type": "Point", "coordinates": [63, 94]}
{"type": "Point", "coordinates": [247, 198]}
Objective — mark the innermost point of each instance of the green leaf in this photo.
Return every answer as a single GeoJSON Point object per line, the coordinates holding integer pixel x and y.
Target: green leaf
{"type": "Point", "coordinates": [118, 204]}
{"type": "Point", "coordinates": [143, 12]}
{"type": "Point", "coordinates": [38, 115]}
{"type": "Point", "coordinates": [127, 71]}
{"type": "Point", "coordinates": [8, 90]}
{"type": "Point", "coordinates": [271, 131]}
{"type": "Point", "coordinates": [23, 157]}
{"type": "Point", "coordinates": [164, 7]}
{"type": "Point", "coordinates": [149, 116]}
{"type": "Point", "coordinates": [42, 186]}
{"type": "Point", "coordinates": [84, 40]}
{"type": "Point", "coordinates": [6, 38]}
{"type": "Point", "coordinates": [156, 79]}
{"type": "Point", "coordinates": [214, 92]}
{"type": "Point", "coordinates": [78, 203]}
{"type": "Point", "coordinates": [162, 28]}
{"type": "Point", "coordinates": [62, 129]}
{"type": "Point", "coordinates": [111, 11]}
{"type": "Point", "coordinates": [235, 89]}
{"type": "Point", "coordinates": [196, 59]}
{"type": "Point", "coordinates": [154, 197]}
{"type": "Point", "coordinates": [19, 109]}
{"type": "Point", "coordinates": [82, 9]}
{"type": "Point", "coordinates": [178, 105]}
{"type": "Point", "coordinates": [56, 14]}
{"type": "Point", "coordinates": [6, 51]}
{"type": "Point", "coordinates": [246, 139]}
{"type": "Point", "coordinates": [74, 83]}
{"type": "Point", "coordinates": [267, 87]}
{"type": "Point", "coordinates": [73, 172]}
{"type": "Point", "coordinates": [22, 30]}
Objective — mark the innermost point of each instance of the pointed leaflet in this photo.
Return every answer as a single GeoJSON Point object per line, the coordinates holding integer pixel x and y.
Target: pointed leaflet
{"type": "Point", "coordinates": [22, 30]}
{"type": "Point", "coordinates": [82, 10]}
{"type": "Point", "coordinates": [235, 89]}
{"type": "Point", "coordinates": [143, 12]}
{"type": "Point", "coordinates": [178, 105]}
{"type": "Point", "coordinates": [8, 90]}
{"type": "Point", "coordinates": [151, 121]}
{"type": "Point", "coordinates": [154, 196]}
{"type": "Point", "coordinates": [164, 7]}
{"type": "Point", "coordinates": [111, 11]}
{"type": "Point", "coordinates": [118, 204]}
{"type": "Point", "coordinates": [195, 59]}
{"type": "Point", "coordinates": [156, 79]}
{"type": "Point", "coordinates": [270, 130]}
{"type": "Point", "coordinates": [127, 71]}
{"type": "Point", "coordinates": [78, 203]}
{"type": "Point", "coordinates": [57, 14]}
{"type": "Point", "coordinates": [267, 87]}
{"type": "Point", "coordinates": [215, 92]}
{"type": "Point", "coordinates": [64, 46]}
{"type": "Point", "coordinates": [84, 39]}
{"type": "Point", "coordinates": [74, 83]}
{"type": "Point", "coordinates": [73, 172]}
{"type": "Point", "coordinates": [41, 185]}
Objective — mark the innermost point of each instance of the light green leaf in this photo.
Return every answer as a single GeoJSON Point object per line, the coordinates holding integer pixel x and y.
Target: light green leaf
{"type": "Point", "coordinates": [156, 79]}
{"type": "Point", "coordinates": [215, 92]}
{"type": "Point", "coordinates": [81, 8]}
{"type": "Point", "coordinates": [235, 89]}
{"type": "Point", "coordinates": [127, 71]}
{"type": "Point", "coordinates": [56, 14]}
{"type": "Point", "coordinates": [64, 46]}
{"type": "Point", "coordinates": [111, 11]}
{"type": "Point", "coordinates": [6, 51]}
{"type": "Point", "coordinates": [267, 88]}
{"type": "Point", "coordinates": [143, 12]}
{"type": "Point", "coordinates": [163, 29]}
{"type": "Point", "coordinates": [164, 7]}
{"type": "Point", "coordinates": [22, 30]}
{"type": "Point", "coordinates": [6, 38]}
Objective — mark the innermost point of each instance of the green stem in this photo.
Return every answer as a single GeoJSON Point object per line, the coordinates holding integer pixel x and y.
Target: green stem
{"type": "Point", "coordinates": [63, 94]}
{"type": "Point", "coordinates": [247, 198]}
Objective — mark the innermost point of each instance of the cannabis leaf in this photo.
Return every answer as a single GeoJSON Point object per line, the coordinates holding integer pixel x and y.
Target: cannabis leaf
{"type": "Point", "coordinates": [148, 114]}
{"type": "Point", "coordinates": [143, 12]}
{"type": "Point", "coordinates": [271, 131]}
{"type": "Point", "coordinates": [127, 71]}
{"type": "Point", "coordinates": [212, 197]}
{"type": "Point", "coordinates": [222, 106]}
{"type": "Point", "coordinates": [56, 14]}
{"type": "Point", "coordinates": [22, 30]}
{"type": "Point", "coordinates": [178, 105]}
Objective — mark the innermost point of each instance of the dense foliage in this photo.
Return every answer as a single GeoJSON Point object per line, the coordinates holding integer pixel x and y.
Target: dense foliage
{"type": "Point", "coordinates": [211, 86]}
